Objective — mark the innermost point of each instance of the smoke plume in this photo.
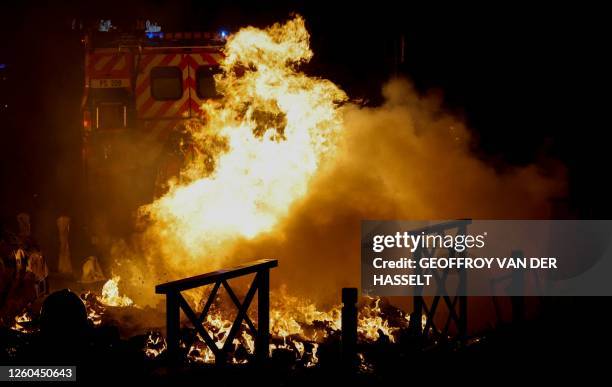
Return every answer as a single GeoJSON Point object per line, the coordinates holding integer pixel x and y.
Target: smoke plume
{"type": "Point", "coordinates": [407, 159]}
{"type": "Point", "coordinates": [299, 169]}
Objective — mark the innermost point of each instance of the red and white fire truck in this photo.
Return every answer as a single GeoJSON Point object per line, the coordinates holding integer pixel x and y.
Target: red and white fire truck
{"type": "Point", "coordinates": [141, 88]}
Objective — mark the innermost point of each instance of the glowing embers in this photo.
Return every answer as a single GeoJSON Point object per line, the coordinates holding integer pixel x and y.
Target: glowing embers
{"type": "Point", "coordinates": [23, 323]}
{"type": "Point", "coordinates": [111, 296]}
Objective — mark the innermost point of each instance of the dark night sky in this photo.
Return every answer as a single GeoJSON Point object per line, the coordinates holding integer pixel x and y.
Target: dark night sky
{"type": "Point", "coordinates": [525, 78]}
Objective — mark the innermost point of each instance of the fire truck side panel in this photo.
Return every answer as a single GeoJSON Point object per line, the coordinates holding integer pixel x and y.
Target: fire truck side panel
{"type": "Point", "coordinates": [201, 61]}
{"type": "Point", "coordinates": [160, 115]}
{"type": "Point", "coordinates": [105, 65]}
{"type": "Point", "coordinates": [128, 149]}
{"type": "Point", "coordinates": [149, 106]}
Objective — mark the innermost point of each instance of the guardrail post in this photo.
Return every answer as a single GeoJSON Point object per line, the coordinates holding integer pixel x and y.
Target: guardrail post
{"type": "Point", "coordinates": [349, 327]}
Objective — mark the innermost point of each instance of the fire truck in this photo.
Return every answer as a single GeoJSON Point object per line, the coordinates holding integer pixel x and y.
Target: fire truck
{"type": "Point", "coordinates": [141, 88]}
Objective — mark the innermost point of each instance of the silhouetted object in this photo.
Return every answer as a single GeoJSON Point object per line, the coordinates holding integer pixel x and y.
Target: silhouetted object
{"type": "Point", "coordinates": [63, 225]}
{"type": "Point", "coordinates": [92, 272]}
{"type": "Point", "coordinates": [38, 267]}
{"type": "Point", "coordinates": [457, 305]}
{"type": "Point", "coordinates": [349, 328]}
{"type": "Point", "coordinates": [261, 284]}
{"type": "Point", "coordinates": [516, 286]}
{"type": "Point", "coordinates": [20, 262]}
{"type": "Point", "coordinates": [64, 330]}
{"type": "Point", "coordinates": [63, 317]}
{"type": "Point", "coordinates": [23, 221]}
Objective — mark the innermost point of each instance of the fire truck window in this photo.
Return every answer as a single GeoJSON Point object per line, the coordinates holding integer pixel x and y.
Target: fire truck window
{"type": "Point", "coordinates": [206, 82]}
{"type": "Point", "coordinates": [111, 116]}
{"type": "Point", "coordinates": [166, 83]}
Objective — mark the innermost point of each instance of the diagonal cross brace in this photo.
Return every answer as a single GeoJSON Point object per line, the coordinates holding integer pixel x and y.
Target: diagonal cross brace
{"type": "Point", "coordinates": [242, 312]}
{"type": "Point", "coordinates": [211, 299]}
{"type": "Point", "coordinates": [239, 304]}
{"type": "Point", "coordinates": [197, 325]}
{"type": "Point", "coordinates": [175, 302]}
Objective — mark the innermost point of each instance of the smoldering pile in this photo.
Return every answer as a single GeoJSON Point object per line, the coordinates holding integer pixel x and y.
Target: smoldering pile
{"type": "Point", "coordinates": [302, 337]}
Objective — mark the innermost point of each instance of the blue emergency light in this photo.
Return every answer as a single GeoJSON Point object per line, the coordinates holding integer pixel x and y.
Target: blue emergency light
{"type": "Point", "coordinates": [153, 35]}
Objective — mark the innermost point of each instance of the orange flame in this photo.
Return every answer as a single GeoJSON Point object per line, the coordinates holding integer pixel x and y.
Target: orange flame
{"type": "Point", "coordinates": [21, 321]}
{"type": "Point", "coordinates": [266, 139]}
{"type": "Point", "coordinates": [111, 296]}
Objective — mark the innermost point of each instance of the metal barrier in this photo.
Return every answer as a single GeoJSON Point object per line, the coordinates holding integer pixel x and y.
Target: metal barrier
{"type": "Point", "coordinates": [457, 305]}
{"type": "Point", "coordinates": [349, 328]}
{"type": "Point", "coordinates": [261, 284]}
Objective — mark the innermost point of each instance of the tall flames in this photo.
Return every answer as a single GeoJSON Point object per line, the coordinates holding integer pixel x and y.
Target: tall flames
{"type": "Point", "coordinates": [257, 150]}
{"type": "Point", "coordinates": [253, 157]}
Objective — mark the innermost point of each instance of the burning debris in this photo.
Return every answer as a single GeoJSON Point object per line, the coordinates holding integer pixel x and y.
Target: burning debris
{"type": "Point", "coordinates": [292, 316]}
{"type": "Point", "coordinates": [96, 306]}
{"type": "Point", "coordinates": [23, 323]}
{"type": "Point", "coordinates": [110, 294]}
{"type": "Point", "coordinates": [302, 335]}
{"type": "Point", "coordinates": [297, 327]}
{"type": "Point", "coordinates": [155, 345]}
{"type": "Point", "coordinates": [95, 309]}
{"type": "Point", "coordinates": [371, 323]}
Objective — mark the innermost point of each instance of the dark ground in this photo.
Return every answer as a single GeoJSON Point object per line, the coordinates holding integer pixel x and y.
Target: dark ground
{"type": "Point", "coordinates": [548, 349]}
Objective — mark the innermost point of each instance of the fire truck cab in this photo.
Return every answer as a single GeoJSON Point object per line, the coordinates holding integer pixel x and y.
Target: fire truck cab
{"type": "Point", "coordinates": [141, 88]}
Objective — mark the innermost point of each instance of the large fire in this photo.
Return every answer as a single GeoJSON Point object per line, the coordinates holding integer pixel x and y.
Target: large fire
{"type": "Point", "coordinates": [255, 155]}
{"type": "Point", "coordinates": [259, 167]}
{"type": "Point", "coordinates": [253, 158]}
{"type": "Point", "coordinates": [257, 151]}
